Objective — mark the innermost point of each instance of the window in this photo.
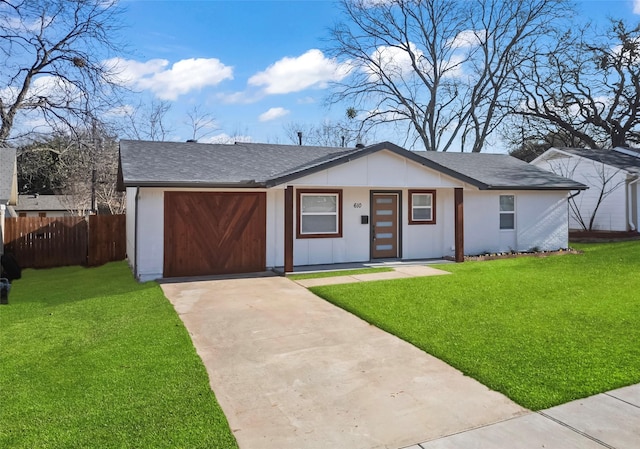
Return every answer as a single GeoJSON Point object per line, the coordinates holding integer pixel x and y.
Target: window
{"type": "Point", "coordinates": [422, 206]}
{"type": "Point", "coordinates": [507, 212]}
{"type": "Point", "coordinates": [319, 213]}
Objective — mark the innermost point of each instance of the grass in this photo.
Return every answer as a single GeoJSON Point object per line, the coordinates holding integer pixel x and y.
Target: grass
{"type": "Point", "coordinates": [328, 274]}
{"type": "Point", "coordinates": [90, 358]}
{"type": "Point", "coordinates": [541, 331]}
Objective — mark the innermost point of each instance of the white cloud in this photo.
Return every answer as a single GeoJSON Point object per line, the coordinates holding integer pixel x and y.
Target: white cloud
{"type": "Point", "coordinates": [226, 139]}
{"type": "Point", "coordinates": [312, 69]}
{"type": "Point", "coordinates": [396, 63]}
{"type": "Point", "coordinates": [273, 114]}
{"type": "Point", "coordinates": [636, 6]}
{"type": "Point", "coordinates": [467, 39]}
{"type": "Point", "coordinates": [167, 83]}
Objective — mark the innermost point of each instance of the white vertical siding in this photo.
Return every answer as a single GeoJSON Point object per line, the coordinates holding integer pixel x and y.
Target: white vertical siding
{"type": "Point", "coordinates": [150, 238]}
{"type": "Point", "coordinates": [612, 213]}
{"type": "Point", "coordinates": [540, 222]}
{"type": "Point", "coordinates": [131, 224]}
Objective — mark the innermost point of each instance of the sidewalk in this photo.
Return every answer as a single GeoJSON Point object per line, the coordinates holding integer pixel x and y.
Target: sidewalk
{"type": "Point", "coordinates": [607, 420]}
{"type": "Point", "coordinates": [399, 272]}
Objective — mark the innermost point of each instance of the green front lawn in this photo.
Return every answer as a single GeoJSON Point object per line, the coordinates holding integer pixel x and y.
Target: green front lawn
{"type": "Point", "coordinates": [90, 358]}
{"type": "Point", "coordinates": [543, 331]}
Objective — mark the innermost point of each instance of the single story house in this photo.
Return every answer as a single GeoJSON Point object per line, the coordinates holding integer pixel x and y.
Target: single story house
{"type": "Point", "coordinates": [8, 185]}
{"type": "Point", "coordinates": [201, 209]}
{"type": "Point", "coordinates": [42, 206]}
{"type": "Point", "coordinates": [612, 177]}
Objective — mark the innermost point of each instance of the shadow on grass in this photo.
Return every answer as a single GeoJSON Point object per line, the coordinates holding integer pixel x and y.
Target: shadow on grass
{"type": "Point", "coordinates": [54, 286]}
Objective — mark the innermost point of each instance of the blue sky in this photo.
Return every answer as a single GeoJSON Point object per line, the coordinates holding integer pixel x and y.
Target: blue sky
{"type": "Point", "coordinates": [255, 66]}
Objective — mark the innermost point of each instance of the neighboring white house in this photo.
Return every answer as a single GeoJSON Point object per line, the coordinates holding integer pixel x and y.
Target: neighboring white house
{"type": "Point", "coordinates": [612, 178]}
{"type": "Point", "coordinates": [201, 209]}
{"type": "Point", "coordinates": [42, 206]}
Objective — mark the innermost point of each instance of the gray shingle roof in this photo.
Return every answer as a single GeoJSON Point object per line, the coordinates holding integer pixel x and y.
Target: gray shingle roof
{"type": "Point", "coordinates": [40, 203]}
{"type": "Point", "coordinates": [247, 164]}
{"type": "Point", "coordinates": [7, 165]}
{"type": "Point", "coordinates": [499, 171]}
{"type": "Point", "coordinates": [610, 157]}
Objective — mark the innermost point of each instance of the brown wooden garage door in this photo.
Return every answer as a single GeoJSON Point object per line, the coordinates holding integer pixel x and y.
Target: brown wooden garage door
{"type": "Point", "coordinates": [214, 233]}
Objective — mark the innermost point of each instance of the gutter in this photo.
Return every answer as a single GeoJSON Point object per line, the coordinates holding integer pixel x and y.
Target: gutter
{"type": "Point", "coordinates": [632, 226]}
{"type": "Point", "coordinates": [135, 236]}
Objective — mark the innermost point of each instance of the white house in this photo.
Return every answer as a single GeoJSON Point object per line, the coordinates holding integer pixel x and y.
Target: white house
{"type": "Point", "coordinates": [201, 209]}
{"type": "Point", "coordinates": [612, 178]}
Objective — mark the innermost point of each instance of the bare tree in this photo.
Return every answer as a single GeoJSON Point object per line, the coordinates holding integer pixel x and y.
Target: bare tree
{"type": "Point", "coordinates": [73, 158]}
{"type": "Point", "coordinates": [603, 180]}
{"type": "Point", "coordinates": [347, 132]}
{"type": "Point", "coordinates": [202, 123]}
{"type": "Point", "coordinates": [585, 85]}
{"type": "Point", "coordinates": [439, 70]}
{"type": "Point", "coordinates": [146, 122]}
{"type": "Point", "coordinates": [53, 53]}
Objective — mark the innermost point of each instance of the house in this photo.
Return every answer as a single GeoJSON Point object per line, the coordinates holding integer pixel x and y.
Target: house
{"type": "Point", "coordinates": [43, 206]}
{"type": "Point", "coordinates": [8, 176]}
{"type": "Point", "coordinates": [8, 185]}
{"type": "Point", "coordinates": [201, 209]}
{"type": "Point", "coordinates": [612, 202]}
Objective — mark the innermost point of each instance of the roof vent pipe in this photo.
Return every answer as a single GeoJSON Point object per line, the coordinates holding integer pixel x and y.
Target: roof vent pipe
{"type": "Point", "coordinates": [342, 141]}
{"type": "Point", "coordinates": [192, 140]}
{"type": "Point", "coordinates": [359, 145]}
{"type": "Point", "coordinates": [300, 138]}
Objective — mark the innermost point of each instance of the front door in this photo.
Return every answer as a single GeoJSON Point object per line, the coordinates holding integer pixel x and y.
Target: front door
{"type": "Point", "coordinates": [384, 228]}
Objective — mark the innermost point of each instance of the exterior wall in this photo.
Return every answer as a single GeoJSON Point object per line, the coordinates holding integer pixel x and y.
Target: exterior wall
{"type": "Point", "coordinates": [382, 171]}
{"type": "Point", "coordinates": [130, 219]}
{"type": "Point", "coordinates": [540, 222]}
{"type": "Point", "coordinates": [150, 238]}
{"type": "Point", "coordinates": [50, 213]}
{"type": "Point", "coordinates": [148, 245]}
{"type": "Point", "coordinates": [612, 213]}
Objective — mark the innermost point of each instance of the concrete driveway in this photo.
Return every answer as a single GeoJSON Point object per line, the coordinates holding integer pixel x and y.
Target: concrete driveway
{"type": "Point", "coordinates": [292, 371]}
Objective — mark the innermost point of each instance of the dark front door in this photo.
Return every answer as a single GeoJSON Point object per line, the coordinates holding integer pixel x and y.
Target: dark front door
{"type": "Point", "coordinates": [384, 212]}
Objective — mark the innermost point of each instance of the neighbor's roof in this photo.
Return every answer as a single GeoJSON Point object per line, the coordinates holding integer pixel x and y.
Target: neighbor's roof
{"type": "Point", "coordinates": [7, 166]}
{"type": "Point", "coordinates": [40, 203]}
{"type": "Point", "coordinates": [612, 157]}
{"type": "Point", "coordinates": [190, 164]}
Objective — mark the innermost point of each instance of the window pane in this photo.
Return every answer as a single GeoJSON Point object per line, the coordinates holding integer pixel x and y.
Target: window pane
{"type": "Point", "coordinates": [384, 247]}
{"type": "Point", "coordinates": [384, 200]}
{"type": "Point", "coordinates": [507, 221]}
{"type": "Point", "coordinates": [384, 224]}
{"type": "Point", "coordinates": [422, 214]}
{"type": "Point", "coordinates": [319, 224]}
{"type": "Point", "coordinates": [421, 199]}
{"type": "Point", "coordinates": [319, 203]}
{"type": "Point", "coordinates": [507, 203]}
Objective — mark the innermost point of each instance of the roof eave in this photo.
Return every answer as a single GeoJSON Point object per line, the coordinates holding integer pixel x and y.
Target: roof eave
{"type": "Point", "coordinates": [196, 184]}
{"type": "Point", "coordinates": [576, 187]}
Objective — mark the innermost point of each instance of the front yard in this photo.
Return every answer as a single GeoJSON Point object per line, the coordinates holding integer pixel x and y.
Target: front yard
{"type": "Point", "coordinates": [541, 331]}
{"type": "Point", "coordinates": [90, 358]}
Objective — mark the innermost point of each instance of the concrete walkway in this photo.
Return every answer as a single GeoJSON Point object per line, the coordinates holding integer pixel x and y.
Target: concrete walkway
{"type": "Point", "coordinates": [292, 371]}
{"type": "Point", "coordinates": [398, 272]}
{"type": "Point", "coordinates": [609, 420]}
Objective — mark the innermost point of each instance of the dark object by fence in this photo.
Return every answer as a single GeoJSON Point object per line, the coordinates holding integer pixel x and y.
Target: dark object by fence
{"type": "Point", "coordinates": [5, 286]}
{"type": "Point", "coordinates": [10, 268]}
{"type": "Point", "coordinates": [44, 242]}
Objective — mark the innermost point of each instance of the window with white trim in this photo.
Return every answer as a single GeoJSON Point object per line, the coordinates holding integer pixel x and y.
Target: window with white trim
{"type": "Point", "coordinates": [422, 206]}
{"type": "Point", "coordinates": [319, 213]}
{"type": "Point", "coordinates": [507, 212]}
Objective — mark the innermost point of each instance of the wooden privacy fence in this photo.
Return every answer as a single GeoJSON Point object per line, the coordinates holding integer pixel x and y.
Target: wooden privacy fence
{"type": "Point", "coordinates": [55, 242]}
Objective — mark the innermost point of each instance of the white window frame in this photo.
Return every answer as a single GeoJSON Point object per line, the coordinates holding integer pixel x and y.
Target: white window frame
{"type": "Point", "coordinates": [432, 207]}
{"type": "Point", "coordinates": [507, 212]}
{"type": "Point", "coordinates": [337, 194]}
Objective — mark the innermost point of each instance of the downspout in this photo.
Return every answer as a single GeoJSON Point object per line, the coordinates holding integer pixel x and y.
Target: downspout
{"type": "Point", "coordinates": [632, 226]}
{"type": "Point", "coordinates": [135, 236]}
